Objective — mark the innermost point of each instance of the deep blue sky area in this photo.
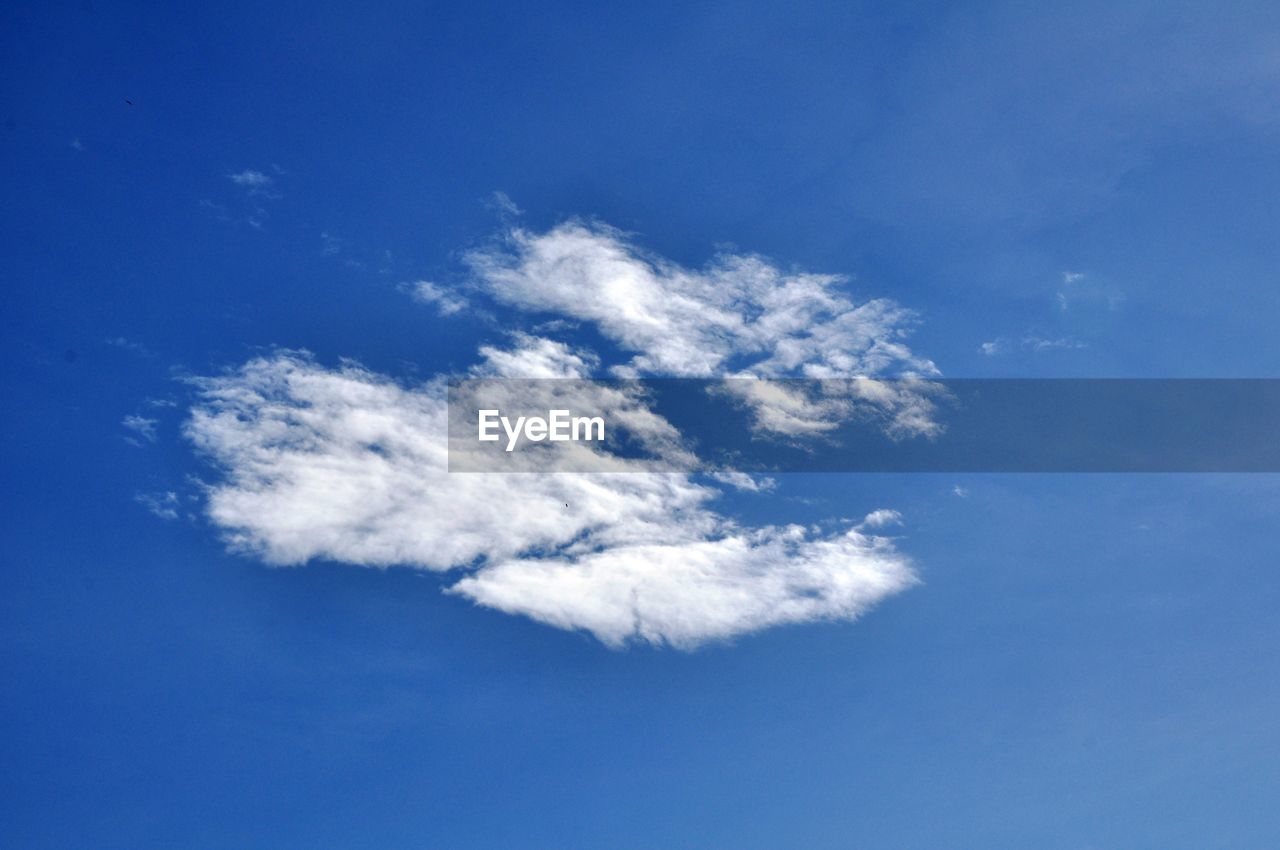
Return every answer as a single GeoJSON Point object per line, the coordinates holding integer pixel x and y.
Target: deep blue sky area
{"type": "Point", "coordinates": [1059, 190]}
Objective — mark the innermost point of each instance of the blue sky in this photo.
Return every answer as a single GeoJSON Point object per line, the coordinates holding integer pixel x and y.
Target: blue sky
{"type": "Point", "coordinates": [1085, 661]}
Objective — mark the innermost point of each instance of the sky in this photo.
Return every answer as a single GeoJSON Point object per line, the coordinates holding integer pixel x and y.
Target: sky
{"type": "Point", "coordinates": [245, 605]}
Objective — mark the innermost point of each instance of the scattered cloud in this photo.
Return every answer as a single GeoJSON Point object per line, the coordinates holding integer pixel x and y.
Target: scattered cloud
{"type": "Point", "coordinates": [1082, 292]}
{"type": "Point", "coordinates": [330, 245]}
{"type": "Point", "coordinates": [142, 427]}
{"type": "Point", "coordinates": [1083, 305]}
{"type": "Point", "coordinates": [251, 179]}
{"type": "Point", "coordinates": [446, 302]}
{"type": "Point", "coordinates": [881, 518]}
{"type": "Point", "coordinates": [132, 346]}
{"type": "Point", "coordinates": [77, 145]}
{"type": "Point", "coordinates": [745, 482]}
{"type": "Point", "coordinates": [739, 316]}
{"type": "Point", "coordinates": [534, 357]}
{"type": "Point", "coordinates": [1038, 343]}
{"type": "Point", "coordinates": [163, 505]}
{"type": "Point", "coordinates": [250, 210]}
{"type": "Point", "coordinates": [1031, 343]}
{"type": "Point", "coordinates": [738, 313]}
{"type": "Point", "coordinates": [506, 207]}
{"type": "Point", "coordinates": [218, 211]}
{"type": "Point", "coordinates": [962, 492]}
{"type": "Point", "coordinates": [903, 408]}
{"type": "Point", "coordinates": [552, 326]}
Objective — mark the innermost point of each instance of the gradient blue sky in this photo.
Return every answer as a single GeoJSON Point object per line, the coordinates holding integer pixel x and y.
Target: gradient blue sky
{"type": "Point", "coordinates": [1090, 661]}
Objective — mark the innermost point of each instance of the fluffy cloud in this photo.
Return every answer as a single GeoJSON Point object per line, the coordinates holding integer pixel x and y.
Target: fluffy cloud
{"type": "Point", "coordinates": [347, 465]}
{"type": "Point", "coordinates": [739, 313]}
{"type": "Point", "coordinates": [687, 592]}
{"type": "Point", "coordinates": [740, 316]}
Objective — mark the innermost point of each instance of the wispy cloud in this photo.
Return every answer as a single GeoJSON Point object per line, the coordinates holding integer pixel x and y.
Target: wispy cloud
{"type": "Point", "coordinates": [1039, 343]}
{"type": "Point", "coordinates": [740, 315]}
{"type": "Point", "coordinates": [251, 208]}
{"type": "Point", "coordinates": [163, 505]}
{"type": "Point", "coordinates": [748, 483]}
{"type": "Point", "coordinates": [129, 345]}
{"type": "Point", "coordinates": [330, 245]}
{"type": "Point", "coordinates": [1063, 296]}
{"type": "Point", "coordinates": [1031, 343]}
{"type": "Point", "coordinates": [251, 179]}
{"type": "Point", "coordinates": [506, 207]}
{"type": "Point", "coordinates": [1081, 303]}
{"type": "Point", "coordinates": [142, 427]}
{"type": "Point", "coordinates": [446, 302]}
{"type": "Point", "coordinates": [740, 312]}
{"type": "Point", "coordinates": [1080, 291]}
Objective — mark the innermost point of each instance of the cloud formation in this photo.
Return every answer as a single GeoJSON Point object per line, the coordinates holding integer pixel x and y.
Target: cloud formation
{"type": "Point", "coordinates": [1031, 342]}
{"type": "Point", "coordinates": [142, 426]}
{"type": "Point", "coordinates": [347, 465]}
{"type": "Point", "coordinates": [740, 313]}
{"type": "Point", "coordinates": [250, 178]}
{"type": "Point", "coordinates": [446, 303]}
{"type": "Point", "coordinates": [740, 316]}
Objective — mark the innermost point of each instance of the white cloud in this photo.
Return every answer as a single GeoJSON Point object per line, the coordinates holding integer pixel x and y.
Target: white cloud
{"type": "Point", "coordinates": [141, 426]}
{"type": "Point", "coordinates": [259, 186]}
{"type": "Point", "coordinates": [685, 593]}
{"type": "Point", "coordinates": [330, 245]}
{"type": "Point", "coordinates": [250, 179]}
{"type": "Point", "coordinates": [347, 465]}
{"type": "Point", "coordinates": [163, 505]}
{"type": "Point", "coordinates": [506, 207]}
{"type": "Point", "coordinates": [534, 357]}
{"type": "Point", "coordinates": [739, 313]}
{"type": "Point", "coordinates": [881, 518]}
{"type": "Point", "coordinates": [739, 316]}
{"type": "Point", "coordinates": [1032, 343]}
{"type": "Point", "coordinates": [446, 302]}
{"type": "Point", "coordinates": [128, 345]}
{"type": "Point", "coordinates": [745, 482]}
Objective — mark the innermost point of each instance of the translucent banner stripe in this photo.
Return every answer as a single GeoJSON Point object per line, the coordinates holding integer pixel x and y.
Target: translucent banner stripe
{"type": "Point", "coordinates": [862, 425]}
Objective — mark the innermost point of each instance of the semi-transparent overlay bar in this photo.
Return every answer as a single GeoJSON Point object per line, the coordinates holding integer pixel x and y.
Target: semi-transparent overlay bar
{"type": "Point", "coordinates": [863, 425]}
